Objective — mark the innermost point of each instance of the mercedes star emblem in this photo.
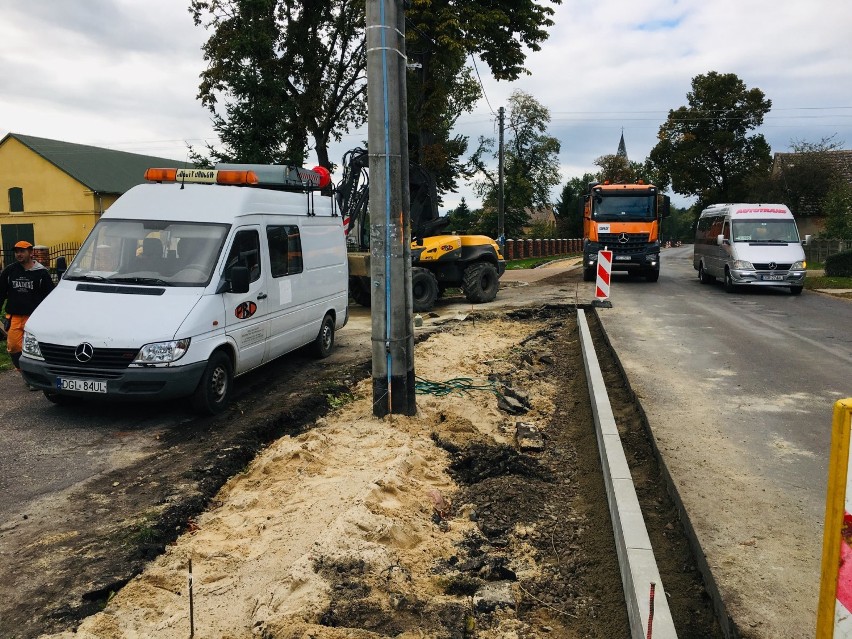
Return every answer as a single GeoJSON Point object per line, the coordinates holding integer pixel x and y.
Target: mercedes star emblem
{"type": "Point", "coordinates": [772, 266]}
{"type": "Point", "coordinates": [84, 352]}
{"type": "Point", "coordinates": [623, 239]}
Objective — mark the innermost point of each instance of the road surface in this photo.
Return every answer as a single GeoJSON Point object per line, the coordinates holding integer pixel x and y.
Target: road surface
{"type": "Point", "coordinates": [739, 390]}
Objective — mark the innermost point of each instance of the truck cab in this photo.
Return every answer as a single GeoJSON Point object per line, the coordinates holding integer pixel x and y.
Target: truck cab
{"type": "Point", "coordinates": [623, 218]}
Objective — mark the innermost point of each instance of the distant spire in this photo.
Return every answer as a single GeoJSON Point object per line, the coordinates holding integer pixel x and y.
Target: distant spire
{"type": "Point", "coordinates": [622, 148]}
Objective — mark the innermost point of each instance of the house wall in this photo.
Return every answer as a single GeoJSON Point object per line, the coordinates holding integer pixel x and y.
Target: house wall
{"type": "Point", "coordinates": [60, 208]}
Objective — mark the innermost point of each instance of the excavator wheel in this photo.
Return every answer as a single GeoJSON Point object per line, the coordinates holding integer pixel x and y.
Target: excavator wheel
{"type": "Point", "coordinates": [481, 282]}
{"type": "Point", "coordinates": [424, 289]}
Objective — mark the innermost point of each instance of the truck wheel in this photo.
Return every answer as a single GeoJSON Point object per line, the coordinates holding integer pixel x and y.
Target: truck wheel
{"type": "Point", "coordinates": [652, 275]}
{"type": "Point", "coordinates": [424, 289]}
{"type": "Point", "coordinates": [588, 274]}
{"type": "Point", "coordinates": [214, 389]}
{"type": "Point", "coordinates": [359, 289]}
{"type": "Point", "coordinates": [325, 338]}
{"type": "Point", "coordinates": [480, 282]}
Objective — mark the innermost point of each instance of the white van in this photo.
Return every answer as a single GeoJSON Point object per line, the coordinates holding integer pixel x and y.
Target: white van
{"type": "Point", "coordinates": [181, 286]}
{"type": "Point", "coordinates": [749, 245]}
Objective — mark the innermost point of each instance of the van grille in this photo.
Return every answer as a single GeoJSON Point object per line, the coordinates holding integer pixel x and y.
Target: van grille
{"type": "Point", "coordinates": [59, 355]}
{"type": "Point", "coordinates": [636, 242]}
{"type": "Point", "coordinates": [765, 267]}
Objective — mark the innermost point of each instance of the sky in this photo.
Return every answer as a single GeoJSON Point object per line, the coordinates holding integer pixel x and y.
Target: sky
{"type": "Point", "coordinates": [124, 74]}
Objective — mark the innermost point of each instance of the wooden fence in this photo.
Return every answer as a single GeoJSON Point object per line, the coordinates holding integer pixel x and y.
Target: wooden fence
{"type": "Point", "coordinates": [520, 249]}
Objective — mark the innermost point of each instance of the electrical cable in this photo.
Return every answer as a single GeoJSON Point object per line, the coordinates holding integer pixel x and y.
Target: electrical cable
{"type": "Point", "coordinates": [460, 385]}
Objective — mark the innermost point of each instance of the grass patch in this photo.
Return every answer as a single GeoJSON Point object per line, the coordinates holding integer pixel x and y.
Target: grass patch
{"type": "Point", "coordinates": [5, 361]}
{"type": "Point", "coordinates": [533, 262]}
{"type": "Point", "coordinates": [823, 281]}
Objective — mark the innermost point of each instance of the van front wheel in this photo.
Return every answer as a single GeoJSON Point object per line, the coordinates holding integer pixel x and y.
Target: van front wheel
{"type": "Point", "coordinates": [214, 390]}
{"type": "Point", "coordinates": [729, 283]}
{"type": "Point", "coordinates": [325, 338]}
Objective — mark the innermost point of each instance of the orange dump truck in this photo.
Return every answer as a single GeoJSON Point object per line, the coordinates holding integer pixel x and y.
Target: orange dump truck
{"type": "Point", "coordinates": [624, 218]}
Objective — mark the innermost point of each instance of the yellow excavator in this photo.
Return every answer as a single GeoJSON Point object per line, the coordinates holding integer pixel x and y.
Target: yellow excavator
{"type": "Point", "coordinates": [439, 261]}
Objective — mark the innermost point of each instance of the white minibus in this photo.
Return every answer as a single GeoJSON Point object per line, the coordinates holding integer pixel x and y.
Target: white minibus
{"type": "Point", "coordinates": [749, 245]}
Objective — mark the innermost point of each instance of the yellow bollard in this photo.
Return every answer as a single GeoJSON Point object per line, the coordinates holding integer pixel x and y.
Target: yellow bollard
{"type": "Point", "coordinates": [834, 612]}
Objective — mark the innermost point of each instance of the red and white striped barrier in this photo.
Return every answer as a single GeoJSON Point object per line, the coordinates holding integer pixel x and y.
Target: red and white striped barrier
{"type": "Point", "coordinates": [834, 614]}
{"type": "Point", "coordinates": [604, 272]}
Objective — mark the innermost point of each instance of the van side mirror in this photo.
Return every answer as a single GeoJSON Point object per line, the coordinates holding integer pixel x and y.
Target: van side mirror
{"type": "Point", "coordinates": [720, 239]}
{"type": "Point", "coordinates": [239, 279]}
{"type": "Point", "coordinates": [807, 240]}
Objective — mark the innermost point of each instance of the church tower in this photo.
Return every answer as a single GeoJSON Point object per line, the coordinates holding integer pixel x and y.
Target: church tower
{"type": "Point", "coordinates": [622, 148]}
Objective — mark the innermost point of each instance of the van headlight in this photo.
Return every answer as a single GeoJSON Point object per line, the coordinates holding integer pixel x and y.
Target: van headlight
{"type": "Point", "coordinates": [742, 265]}
{"type": "Point", "coordinates": [798, 266]}
{"type": "Point", "coordinates": [31, 347]}
{"type": "Point", "coordinates": [162, 352]}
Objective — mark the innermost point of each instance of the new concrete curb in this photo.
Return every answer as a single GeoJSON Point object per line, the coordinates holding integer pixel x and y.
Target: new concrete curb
{"type": "Point", "coordinates": [635, 555]}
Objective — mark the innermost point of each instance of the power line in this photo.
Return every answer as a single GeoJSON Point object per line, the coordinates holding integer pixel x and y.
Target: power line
{"type": "Point", "coordinates": [484, 94]}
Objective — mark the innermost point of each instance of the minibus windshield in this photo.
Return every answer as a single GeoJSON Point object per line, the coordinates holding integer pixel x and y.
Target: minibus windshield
{"type": "Point", "coordinates": [765, 231]}
{"type": "Point", "coordinates": [624, 208]}
{"type": "Point", "coordinates": [149, 253]}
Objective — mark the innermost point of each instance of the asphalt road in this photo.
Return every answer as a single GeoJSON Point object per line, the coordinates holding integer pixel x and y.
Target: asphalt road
{"type": "Point", "coordinates": [739, 390]}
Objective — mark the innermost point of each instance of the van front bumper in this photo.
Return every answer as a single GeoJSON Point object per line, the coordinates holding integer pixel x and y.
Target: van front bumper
{"type": "Point", "coordinates": [124, 383]}
{"type": "Point", "coordinates": [768, 278]}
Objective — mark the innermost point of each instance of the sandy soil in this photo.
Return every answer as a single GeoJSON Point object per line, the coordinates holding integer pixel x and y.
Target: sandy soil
{"type": "Point", "coordinates": [437, 525]}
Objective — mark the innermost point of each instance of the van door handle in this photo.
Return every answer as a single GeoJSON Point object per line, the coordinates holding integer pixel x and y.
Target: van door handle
{"type": "Point", "coordinates": [261, 296]}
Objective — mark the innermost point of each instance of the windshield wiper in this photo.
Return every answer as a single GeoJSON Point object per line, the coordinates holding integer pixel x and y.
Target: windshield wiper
{"type": "Point", "coordinates": [86, 278]}
{"type": "Point", "coordinates": [140, 280]}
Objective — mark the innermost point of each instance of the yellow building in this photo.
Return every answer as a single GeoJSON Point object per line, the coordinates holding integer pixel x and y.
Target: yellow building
{"type": "Point", "coordinates": [55, 191]}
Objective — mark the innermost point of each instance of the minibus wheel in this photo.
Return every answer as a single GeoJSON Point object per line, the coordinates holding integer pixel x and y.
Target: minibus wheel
{"type": "Point", "coordinates": [702, 275]}
{"type": "Point", "coordinates": [214, 389]}
{"type": "Point", "coordinates": [325, 338]}
{"type": "Point", "coordinates": [729, 283]}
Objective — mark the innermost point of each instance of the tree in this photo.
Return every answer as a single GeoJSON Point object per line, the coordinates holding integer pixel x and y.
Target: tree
{"type": "Point", "coordinates": [802, 179]}
{"type": "Point", "coordinates": [531, 166]}
{"type": "Point", "coordinates": [569, 221]}
{"type": "Point", "coordinates": [462, 219]}
{"type": "Point", "coordinates": [285, 70]}
{"type": "Point", "coordinates": [616, 169]}
{"type": "Point", "coordinates": [441, 35]}
{"type": "Point", "coordinates": [705, 148]}
{"type": "Point", "coordinates": [837, 206]}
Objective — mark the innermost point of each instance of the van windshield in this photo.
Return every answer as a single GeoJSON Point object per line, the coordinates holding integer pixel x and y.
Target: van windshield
{"type": "Point", "coordinates": [624, 208]}
{"type": "Point", "coordinates": [765, 231]}
{"type": "Point", "coordinates": [149, 253]}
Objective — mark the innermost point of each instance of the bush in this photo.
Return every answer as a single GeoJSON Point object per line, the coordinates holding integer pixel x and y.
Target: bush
{"type": "Point", "coordinates": [839, 264]}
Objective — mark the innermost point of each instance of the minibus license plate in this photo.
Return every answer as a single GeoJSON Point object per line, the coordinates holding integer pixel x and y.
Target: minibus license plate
{"type": "Point", "coordinates": [623, 258]}
{"type": "Point", "coordinates": [773, 278]}
{"type": "Point", "coordinates": [81, 385]}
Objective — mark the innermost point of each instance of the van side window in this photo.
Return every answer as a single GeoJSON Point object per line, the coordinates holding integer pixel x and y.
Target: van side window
{"type": "Point", "coordinates": [285, 249]}
{"type": "Point", "coordinates": [245, 251]}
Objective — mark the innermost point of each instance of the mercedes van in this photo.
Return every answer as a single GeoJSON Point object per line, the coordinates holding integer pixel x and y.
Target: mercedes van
{"type": "Point", "coordinates": [190, 281]}
{"type": "Point", "coordinates": [749, 245]}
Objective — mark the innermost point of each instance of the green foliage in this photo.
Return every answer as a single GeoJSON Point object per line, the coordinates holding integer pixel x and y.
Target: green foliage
{"type": "Point", "coordinates": [616, 168]}
{"type": "Point", "coordinates": [462, 219]}
{"type": "Point", "coordinates": [541, 230]}
{"type": "Point", "coordinates": [839, 264]}
{"type": "Point", "coordinates": [680, 225]}
{"type": "Point", "coordinates": [339, 400]}
{"type": "Point", "coordinates": [5, 360]}
{"type": "Point", "coordinates": [705, 148]}
{"type": "Point", "coordinates": [837, 206]}
{"type": "Point", "coordinates": [531, 166]}
{"type": "Point", "coordinates": [284, 69]}
{"type": "Point", "coordinates": [569, 220]}
{"type": "Point", "coordinates": [441, 36]}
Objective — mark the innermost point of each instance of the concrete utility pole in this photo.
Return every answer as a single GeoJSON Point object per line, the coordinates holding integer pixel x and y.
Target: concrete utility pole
{"type": "Point", "coordinates": [390, 226]}
{"type": "Point", "coordinates": [501, 212]}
